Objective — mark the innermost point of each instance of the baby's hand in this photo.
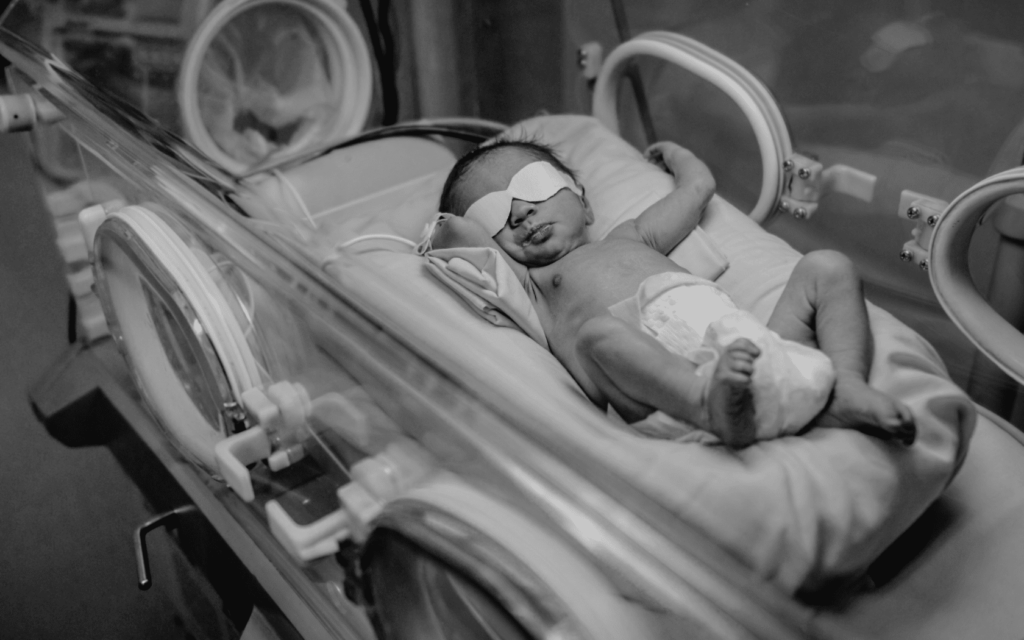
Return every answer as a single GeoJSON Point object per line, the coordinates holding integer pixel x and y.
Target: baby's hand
{"type": "Point", "coordinates": [685, 167]}
{"type": "Point", "coordinates": [666, 155]}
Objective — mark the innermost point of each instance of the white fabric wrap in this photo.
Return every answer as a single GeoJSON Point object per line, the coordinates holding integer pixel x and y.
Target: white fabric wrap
{"type": "Point", "coordinates": [484, 281]}
{"type": "Point", "coordinates": [693, 318]}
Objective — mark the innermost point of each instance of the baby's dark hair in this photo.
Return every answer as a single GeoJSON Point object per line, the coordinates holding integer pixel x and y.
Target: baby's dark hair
{"type": "Point", "coordinates": [534, 147]}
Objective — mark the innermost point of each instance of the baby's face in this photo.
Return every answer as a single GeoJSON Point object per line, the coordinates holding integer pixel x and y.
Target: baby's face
{"type": "Point", "coordinates": [536, 233]}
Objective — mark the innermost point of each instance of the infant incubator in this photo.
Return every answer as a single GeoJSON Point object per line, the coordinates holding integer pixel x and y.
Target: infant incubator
{"type": "Point", "coordinates": [396, 463]}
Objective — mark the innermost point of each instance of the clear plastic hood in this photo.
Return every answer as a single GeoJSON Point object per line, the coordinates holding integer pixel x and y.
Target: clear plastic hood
{"type": "Point", "coordinates": [235, 329]}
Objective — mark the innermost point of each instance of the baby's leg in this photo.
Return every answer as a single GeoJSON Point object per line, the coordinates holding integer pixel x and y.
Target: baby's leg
{"type": "Point", "coordinates": [823, 306]}
{"type": "Point", "coordinates": [637, 375]}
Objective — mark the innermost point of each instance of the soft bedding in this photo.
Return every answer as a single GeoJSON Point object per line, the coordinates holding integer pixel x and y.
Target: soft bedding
{"type": "Point", "coordinates": [801, 511]}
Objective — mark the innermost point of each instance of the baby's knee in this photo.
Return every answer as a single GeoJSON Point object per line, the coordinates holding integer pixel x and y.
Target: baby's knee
{"type": "Point", "coordinates": [830, 266]}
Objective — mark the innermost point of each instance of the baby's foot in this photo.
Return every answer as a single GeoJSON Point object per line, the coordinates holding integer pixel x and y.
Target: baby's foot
{"type": "Point", "coordinates": [730, 403]}
{"type": "Point", "coordinates": [855, 405]}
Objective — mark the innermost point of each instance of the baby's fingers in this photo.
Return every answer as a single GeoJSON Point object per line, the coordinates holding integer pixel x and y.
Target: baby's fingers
{"type": "Point", "coordinates": [655, 154]}
{"type": "Point", "coordinates": [655, 158]}
{"type": "Point", "coordinates": [743, 366]}
{"type": "Point", "coordinates": [743, 346]}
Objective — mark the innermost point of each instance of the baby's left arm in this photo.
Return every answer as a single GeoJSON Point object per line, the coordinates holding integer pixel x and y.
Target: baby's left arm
{"type": "Point", "coordinates": [668, 221]}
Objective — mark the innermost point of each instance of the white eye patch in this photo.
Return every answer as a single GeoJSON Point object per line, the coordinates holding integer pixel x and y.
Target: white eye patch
{"type": "Point", "coordinates": [536, 182]}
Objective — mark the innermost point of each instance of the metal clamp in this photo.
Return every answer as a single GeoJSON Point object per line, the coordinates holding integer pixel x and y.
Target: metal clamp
{"type": "Point", "coordinates": [168, 519]}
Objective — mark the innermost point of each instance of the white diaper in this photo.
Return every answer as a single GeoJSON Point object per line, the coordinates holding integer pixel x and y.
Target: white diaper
{"type": "Point", "coordinates": [695, 319]}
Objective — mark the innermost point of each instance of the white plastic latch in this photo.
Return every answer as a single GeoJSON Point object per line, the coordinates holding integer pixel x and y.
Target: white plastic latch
{"type": "Point", "coordinates": [292, 401]}
{"type": "Point", "coordinates": [234, 453]}
{"type": "Point", "coordinates": [261, 410]}
{"type": "Point", "coordinates": [925, 212]}
{"type": "Point", "coordinates": [284, 458]}
{"type": "Point", "coordinates": [281, 410]}
{"type": "Point", "coordinates": [339, 413]}
{"type": "Point", "coordinates": [375, 481]}
{"type": "Point", "coordinates": [386, 475]}
{"type": "Point", "coordinates": [590, 57]}
{"type": "Point", "coordinates": [23, 111]}
{"type": "Point", "coordinates": [805, 180]}
{"type": "Point", "coordinates": [308, 542]}
{"type": "Point", "coordinates": [801, 186]}
{"type": "Point", "coordinates": [362, 508]}
{"type": "Point", "coordinates": [90, 219]}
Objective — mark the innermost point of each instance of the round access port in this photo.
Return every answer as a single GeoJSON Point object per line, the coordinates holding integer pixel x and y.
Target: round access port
{"type": "Point", "coordinates": [448, 561]}
{"type": "Point", "coordinates": [195, 331]}
{"type": "Point", "coordinates": [264, 79]}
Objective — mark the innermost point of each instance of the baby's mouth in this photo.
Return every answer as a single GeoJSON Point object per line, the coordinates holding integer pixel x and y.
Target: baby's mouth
{"type": "Point", "coordinates": [538, 234]}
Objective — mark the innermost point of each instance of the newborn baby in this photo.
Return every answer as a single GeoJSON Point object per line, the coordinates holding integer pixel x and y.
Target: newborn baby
{"type": "Point", "coordinates": [609, 307]}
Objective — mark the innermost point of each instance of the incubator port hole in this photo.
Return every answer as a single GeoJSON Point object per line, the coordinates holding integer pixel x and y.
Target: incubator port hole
{"type": "Point", "coordinates": [416, 595]}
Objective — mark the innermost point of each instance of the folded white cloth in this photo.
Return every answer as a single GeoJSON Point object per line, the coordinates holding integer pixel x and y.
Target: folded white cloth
{"type": "Point", "coordinates": [482, 278]}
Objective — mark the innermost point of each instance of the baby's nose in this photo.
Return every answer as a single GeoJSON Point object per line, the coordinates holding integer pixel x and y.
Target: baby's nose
{"type": "Point", "coordinates": [520, 211]}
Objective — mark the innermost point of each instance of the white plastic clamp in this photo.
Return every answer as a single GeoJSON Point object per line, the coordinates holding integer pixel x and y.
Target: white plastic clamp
{"type": "Point", "coordinates": [234, 453]}
{"type": "Point", "coordinates": [375, 481]}
{"type": "Point", "coordinates": [925, 212]}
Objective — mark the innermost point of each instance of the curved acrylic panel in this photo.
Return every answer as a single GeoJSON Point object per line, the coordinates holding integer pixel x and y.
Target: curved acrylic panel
{"type": "Point", "coordinates": [397, 380]}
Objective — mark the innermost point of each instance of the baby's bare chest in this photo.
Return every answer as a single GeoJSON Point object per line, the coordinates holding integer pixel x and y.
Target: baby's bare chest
{"type": "Point", "coordinates": [587, 281]}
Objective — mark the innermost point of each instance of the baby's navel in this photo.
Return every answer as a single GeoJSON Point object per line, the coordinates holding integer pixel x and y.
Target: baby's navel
{"type": "Point", "coordinates": [557, 280]}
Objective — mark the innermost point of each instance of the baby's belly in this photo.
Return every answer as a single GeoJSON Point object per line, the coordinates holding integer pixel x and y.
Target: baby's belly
{"type": "Point", "coordinates": [590, 292]}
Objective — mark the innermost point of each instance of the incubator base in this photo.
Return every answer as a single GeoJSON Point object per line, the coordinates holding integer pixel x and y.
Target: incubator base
{"type": "Point", "coordinates": [85, 399]}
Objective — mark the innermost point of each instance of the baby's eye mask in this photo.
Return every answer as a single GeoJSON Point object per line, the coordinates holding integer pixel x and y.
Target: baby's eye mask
{"type": "Point", "coordinates": [536, 182]}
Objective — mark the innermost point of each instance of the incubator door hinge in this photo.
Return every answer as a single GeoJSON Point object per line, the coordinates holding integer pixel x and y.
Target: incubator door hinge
{"type": "Point", "coordinates": [805, 179]}
{"type": "Point", "coordinates": [925, 211]}
{"type": "Point", "coordinates": [589, 58]}
{"type": "Point", "coordinates": [376, 480]}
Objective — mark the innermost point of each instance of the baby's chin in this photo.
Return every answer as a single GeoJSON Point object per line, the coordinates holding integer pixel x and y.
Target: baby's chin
{"type": "Point", "coordinates": [543, 260]}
